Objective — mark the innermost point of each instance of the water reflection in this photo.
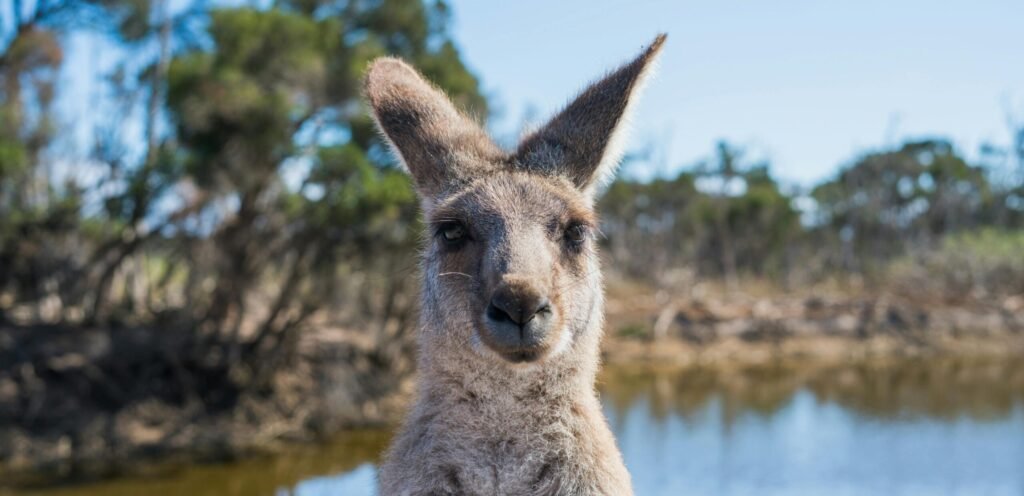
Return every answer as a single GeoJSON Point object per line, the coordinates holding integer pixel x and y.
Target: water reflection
{"type": "Point", "coordinates": [343, 466]}
{"type": "Point", "coordinates": [928, 428]}
{"type": "Point", "coordinates": [887, 390]}
{"type": "Point", "coordinates": [896, 428]}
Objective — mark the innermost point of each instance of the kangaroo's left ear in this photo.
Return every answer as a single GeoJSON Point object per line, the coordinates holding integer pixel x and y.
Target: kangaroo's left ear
{"type": "Point", "coordinates": [441, 147]}
{"type": "Point", "coordinates": [584, 142]}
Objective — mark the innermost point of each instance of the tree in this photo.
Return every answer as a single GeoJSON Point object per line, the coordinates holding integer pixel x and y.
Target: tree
{"type": "Point", "coordinates": [722, 220]}
{"type": "Point", "coordinates": [30, 206]}
{"type": "Point", "coordinates": [279, 90]}
{"type": "Point", "coordinates": [913, 195]}
{"type": "Point", "coordinates": [260, 192]}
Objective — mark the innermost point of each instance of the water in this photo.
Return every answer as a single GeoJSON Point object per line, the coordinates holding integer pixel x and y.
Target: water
{"type": "Point", "coordinates": [906, 428]}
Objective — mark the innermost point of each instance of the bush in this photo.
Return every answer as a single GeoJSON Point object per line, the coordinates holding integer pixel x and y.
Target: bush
{"type": "Point", "coordinates": [982, 263]}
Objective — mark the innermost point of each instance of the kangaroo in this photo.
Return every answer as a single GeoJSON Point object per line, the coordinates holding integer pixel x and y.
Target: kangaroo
{"type": "Point", "coordinates": [512, 298]}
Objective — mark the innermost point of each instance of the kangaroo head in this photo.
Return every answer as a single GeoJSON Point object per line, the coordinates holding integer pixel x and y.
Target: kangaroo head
{"type": "Point", "coordinates": [511, 268]}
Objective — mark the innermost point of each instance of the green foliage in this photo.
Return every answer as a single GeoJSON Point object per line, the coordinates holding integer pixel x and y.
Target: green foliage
{"type": "Point", "coordinates": [13, 158]}
{"type": "Point", "coordinates": [979, 263]}
{"type": "Point", "coordinates": [256, 99]}
{"type": "Point", "coordinates": [633, 330]}
{"type": "Point", "coordinates": [911, 195]}
{"type": "Point", "coordinates": [378, 204]}
{"type": "Point", "coordinates": [238, 108]}
{"type": "Point", "coordinates": [917, 186]}
{"type": "Point", "coordinates": [987, 247]}
{"type": "Point", "coordinates": [280, 87]}
{"type": "Point", "coordinates": [28, 72]}
{"type": "Point", "coordinates": [711, 229]}
{"type": "Point", "coordinates": [129, 18]}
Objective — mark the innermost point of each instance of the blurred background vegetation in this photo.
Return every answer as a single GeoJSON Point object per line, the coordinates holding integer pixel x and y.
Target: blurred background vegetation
{"type": "Point", "coordinates": [197, 226]}
{"type": "Point", "coordinates": [236, 195]}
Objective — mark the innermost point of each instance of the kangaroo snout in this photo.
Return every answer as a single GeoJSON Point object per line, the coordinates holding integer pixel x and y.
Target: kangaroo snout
{"type": "Point", "coordinates": [518, 319]}
{"type": "Point", "coordinates": [516, 306]}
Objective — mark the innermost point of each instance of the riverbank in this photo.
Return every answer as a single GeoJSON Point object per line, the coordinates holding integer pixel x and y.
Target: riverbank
{"type": "Point", "coordinates": [80, 404]}
{"type": "Point", "coordinates": [697, 422]}
{"type": "Point", "coordinates": [645, 325]}
{"type": "Point", "coordinates": [85, 403]}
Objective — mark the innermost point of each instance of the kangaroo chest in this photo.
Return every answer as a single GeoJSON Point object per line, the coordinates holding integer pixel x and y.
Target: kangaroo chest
{"type": "Point", "coordinates": [504, 467]}
{"type": "Point", "coordinates": [497, 451]}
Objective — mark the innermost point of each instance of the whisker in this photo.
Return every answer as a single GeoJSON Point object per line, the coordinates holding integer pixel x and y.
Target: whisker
{"type": "Point", "coordinates": [463, 274]}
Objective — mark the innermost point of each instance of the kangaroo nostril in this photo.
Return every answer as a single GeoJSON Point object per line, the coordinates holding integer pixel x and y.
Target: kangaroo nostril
{"type": "Point", "coordinates": [534, 307]}
{"type": "Point", "coordinates": [505, 307]}
{"type": "Point", "coordinates": [516, 307]}
{"type": "Point", "coordinates": [497, 314]}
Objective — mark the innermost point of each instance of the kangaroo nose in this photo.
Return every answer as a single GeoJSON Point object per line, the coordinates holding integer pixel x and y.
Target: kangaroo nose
{"type": "Point", "coordinates": [518, 319]}
{"type": "Point", "coordinates": [517, 305]}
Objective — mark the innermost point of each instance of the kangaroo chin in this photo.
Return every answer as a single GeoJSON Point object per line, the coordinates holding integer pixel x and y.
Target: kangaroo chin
{"type": "Point", "coordinates": [512, 298]}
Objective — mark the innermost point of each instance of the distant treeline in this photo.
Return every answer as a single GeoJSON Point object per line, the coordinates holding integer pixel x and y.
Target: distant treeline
{"type": "Point", "coordinates": [884, 211]}
{"type": "Point", "coordinates": [234, 187]}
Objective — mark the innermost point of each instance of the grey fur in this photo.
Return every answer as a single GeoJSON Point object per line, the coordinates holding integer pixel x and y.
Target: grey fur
{"type": "Point", "coordinates": [483, 423]}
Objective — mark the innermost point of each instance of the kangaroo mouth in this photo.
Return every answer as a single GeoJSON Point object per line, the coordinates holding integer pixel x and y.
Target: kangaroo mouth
{"type": "Point", "coordinates": [516, 353]}
{"type": "Point", "coordinates": [515, 345]}
{"type": "Point", "coordinates": [522, 356]}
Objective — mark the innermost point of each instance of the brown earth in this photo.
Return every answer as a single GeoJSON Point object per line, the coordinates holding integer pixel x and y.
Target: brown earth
{"type": "Point", "coordinates": [647, 326]}
{"type": "Point", "coordinates": [82, 403]}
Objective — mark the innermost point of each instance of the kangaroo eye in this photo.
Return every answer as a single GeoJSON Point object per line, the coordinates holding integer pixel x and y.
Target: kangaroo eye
{"type": "Point", "coordinates": [576, 234]}
{"type": "Point", "coordinates": [452, 233]}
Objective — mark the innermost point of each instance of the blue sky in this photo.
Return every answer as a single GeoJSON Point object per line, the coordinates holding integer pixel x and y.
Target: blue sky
{"type": "Point", "coordinates": [806, 84]}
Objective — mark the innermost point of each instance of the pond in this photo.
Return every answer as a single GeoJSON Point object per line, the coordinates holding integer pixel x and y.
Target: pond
{"type": "Point", "coordinates": [917, 427]}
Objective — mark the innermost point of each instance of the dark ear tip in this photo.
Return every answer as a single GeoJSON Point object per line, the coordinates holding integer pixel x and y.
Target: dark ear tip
{"type": "Point", "coordinates": [655, 45]}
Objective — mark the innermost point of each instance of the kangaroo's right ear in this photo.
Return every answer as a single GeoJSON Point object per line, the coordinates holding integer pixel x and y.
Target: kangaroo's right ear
{"type": "Point", "coordinates": [584, 142]}
{"type": "Point", "coordinates": [441, 147]}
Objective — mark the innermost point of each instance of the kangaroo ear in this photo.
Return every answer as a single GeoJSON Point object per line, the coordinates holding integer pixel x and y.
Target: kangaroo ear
{"type": "Point", "coordinates": [584, 142]}
{"type": "Point", "coordinates": [440, 146]}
